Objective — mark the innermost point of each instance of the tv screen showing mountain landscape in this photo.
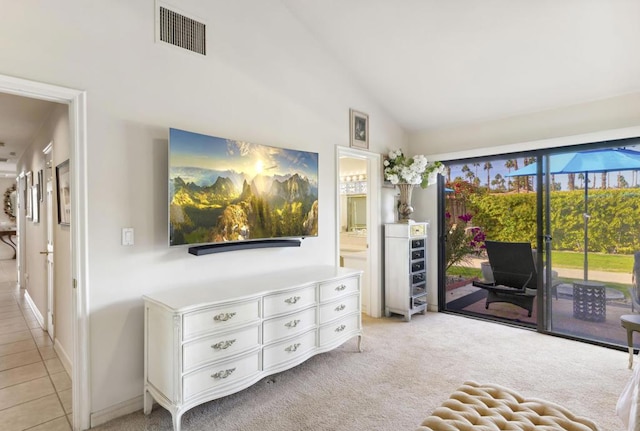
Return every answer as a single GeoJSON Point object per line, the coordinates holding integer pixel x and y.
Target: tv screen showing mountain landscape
{"type": "Point", "coordinates": [221, 190]}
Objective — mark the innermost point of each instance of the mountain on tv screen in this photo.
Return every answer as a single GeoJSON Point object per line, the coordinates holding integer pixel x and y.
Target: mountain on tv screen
{"type": "Point", "coordinates": [222, 190]}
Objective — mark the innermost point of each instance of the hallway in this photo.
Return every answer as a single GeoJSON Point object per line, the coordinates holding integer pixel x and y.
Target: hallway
{"type": "Point", "coordinates": [35, 389]}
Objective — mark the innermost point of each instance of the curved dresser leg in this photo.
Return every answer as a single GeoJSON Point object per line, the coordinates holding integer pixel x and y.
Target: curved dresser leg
{"type": "Point", "coordinates": [360, 343]}
{"type": "Point", "coordinates": [177, 418]}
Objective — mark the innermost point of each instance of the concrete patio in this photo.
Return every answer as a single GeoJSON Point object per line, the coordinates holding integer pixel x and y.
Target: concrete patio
{"type": "Point", "coordinates": [472, 300]}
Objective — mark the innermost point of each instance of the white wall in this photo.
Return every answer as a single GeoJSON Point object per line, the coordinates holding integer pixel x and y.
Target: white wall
{"type": "Point", "coordinates": [597, 121]}
{"type": "Point", "coordinates": [33, 235]}
{"type": "Point", "coordinates": [265, 80]}
{"type": "Point", "coordinates": [54, 130]}
{"type": "Point", "coordinates": [59, 132]}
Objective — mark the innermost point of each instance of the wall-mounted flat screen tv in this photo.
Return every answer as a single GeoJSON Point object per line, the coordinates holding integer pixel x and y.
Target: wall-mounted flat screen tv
{"type": "Point", "coordinates": [222, 190]}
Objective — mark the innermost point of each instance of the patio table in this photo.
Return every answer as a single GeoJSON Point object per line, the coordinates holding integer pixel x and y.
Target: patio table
{"type": "Point", "coordinates": [589, 301]}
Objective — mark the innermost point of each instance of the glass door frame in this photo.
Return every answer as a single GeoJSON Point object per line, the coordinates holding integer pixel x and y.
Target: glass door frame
{"type": "Point", "coordinates": [544, 304]}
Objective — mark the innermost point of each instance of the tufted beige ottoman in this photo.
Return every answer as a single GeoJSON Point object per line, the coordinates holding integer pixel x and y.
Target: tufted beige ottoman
{"type": "Point", "coordinates": [475, 407]}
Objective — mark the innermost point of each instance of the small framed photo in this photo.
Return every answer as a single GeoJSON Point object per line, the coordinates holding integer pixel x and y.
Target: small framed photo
{"type": "Point", "coordinates": [28, 197]}
{"type": "Point", "coordinates": [41, 185]}
{"type": "Point", "coordinates": [359, 129]}
{"type": "Point", "coordinates": [63, 193]}
{"type": "Point", "coordinates": [35, 205]}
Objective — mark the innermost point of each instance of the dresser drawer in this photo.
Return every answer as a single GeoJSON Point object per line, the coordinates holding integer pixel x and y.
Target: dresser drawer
{"type": "Point", "coordinates": [213, 348]}
{"type": "Point", "coordinates": [339, 308]}
{"type": "Point", "coordinates": [335, 289]}
{"type": "Point", "coordinates": [291, 350]}
{"type": "Point", "coordinates": [287, 302]}
{"type": "Point", "coordinates": [339, 329]}
{"type": "Point", "coordinates": [291, 324]}
{"type": "Point", "coordinates": [220, 318]}
{"type": "Point", "coordinates": [221, 374]}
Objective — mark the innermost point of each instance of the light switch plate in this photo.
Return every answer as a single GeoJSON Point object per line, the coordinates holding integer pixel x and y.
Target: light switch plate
{"type": "Point", "coordinates": [127, 236]}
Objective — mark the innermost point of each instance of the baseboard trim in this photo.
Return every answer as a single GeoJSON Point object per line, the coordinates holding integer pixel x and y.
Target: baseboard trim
{"type": "Point", "coordinates": [124, 408]}
{"type": "Point", "coordinates": [34, 309]}
{"type": "Point", "coordinates": [64, 357]}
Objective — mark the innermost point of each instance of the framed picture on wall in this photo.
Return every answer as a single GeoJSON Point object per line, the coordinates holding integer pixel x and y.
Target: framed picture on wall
{"type": "Point", "coordinates": [35, 204]}
{"type": "Point", "coordinates": [27, 196]}
{"type": "Point", "coordinates": [40, 185]}
{"type": "Point", "coordinates": [63, 193]}
{"type": "Point", "coordinates": [358, 129]}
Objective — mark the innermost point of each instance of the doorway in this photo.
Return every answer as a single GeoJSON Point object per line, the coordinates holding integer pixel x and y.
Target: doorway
{"type": "Point", "coordinates": [76, 102]}
{"type": "Point", "coordinates": [49, 204]}
{"type": "Point", "coordinates": [357, 221]}
{"type": "Point", "coordinates": [585, 252]}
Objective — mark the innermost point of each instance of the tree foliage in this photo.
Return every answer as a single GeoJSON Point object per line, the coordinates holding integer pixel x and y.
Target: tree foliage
{"type": "Point", "coordinates": [613, 225]}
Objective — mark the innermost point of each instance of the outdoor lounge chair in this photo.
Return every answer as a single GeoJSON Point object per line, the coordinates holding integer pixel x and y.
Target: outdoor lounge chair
{"type": "Point", "coordinates": [514, 274]}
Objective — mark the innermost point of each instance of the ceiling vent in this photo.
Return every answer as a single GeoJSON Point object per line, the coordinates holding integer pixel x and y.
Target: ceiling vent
{"type": "Point", "coordinates": [181, 31]}
{"type": "Point", "coordinates": [3, 159]}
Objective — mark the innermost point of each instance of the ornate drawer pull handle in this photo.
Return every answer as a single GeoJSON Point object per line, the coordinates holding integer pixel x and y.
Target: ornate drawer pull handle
{"type": "Point", "coordinates": [292, 324]}
{"type": "Point", "coordinates": [341, 288]}
{"type": "Point", "coordinates": [292, 348]}
{"type": "Point", "coordinates": [223, 374]}
{"type": "Point", "coordinates": [223, 317]}
{"type": "Point", "coordinates": [292, 300]}
{"type": "Point", "coordinates": [341, 328]}
{"type": "Point", "coordinates": [223, 344]}
{"type": "Point", "coordinates": [341, 307]}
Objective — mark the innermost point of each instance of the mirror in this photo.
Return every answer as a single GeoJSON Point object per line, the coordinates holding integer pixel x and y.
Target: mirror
{"type": "Point", "coordinates": [356, 213]}
{"type": "Point", "coordinates": [10, 197]}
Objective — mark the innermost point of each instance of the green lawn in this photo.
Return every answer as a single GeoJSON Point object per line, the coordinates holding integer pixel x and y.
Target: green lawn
{"type": "Point", "coordinates": [567, 259]}
{"type": "Point", "coordinates": [597, 261]}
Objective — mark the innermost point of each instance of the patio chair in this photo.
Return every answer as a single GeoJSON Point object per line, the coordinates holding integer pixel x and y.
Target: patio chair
{"type": "Point", "coordinates": [634, 292]}
{"type": "Point", "coordinates": [514, 274]}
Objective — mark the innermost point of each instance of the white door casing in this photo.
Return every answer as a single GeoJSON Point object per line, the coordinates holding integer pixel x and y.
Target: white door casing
{"type": "Point", "coordinates": [372, 281]}
{"type": "Point", "coordinates": [49, 255]}
{"type": "Point", "coordinates": [76, 100]}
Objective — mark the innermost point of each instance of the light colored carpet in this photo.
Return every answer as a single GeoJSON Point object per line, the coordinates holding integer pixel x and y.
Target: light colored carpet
{"type": "Point", "coordinates": [405, 372]}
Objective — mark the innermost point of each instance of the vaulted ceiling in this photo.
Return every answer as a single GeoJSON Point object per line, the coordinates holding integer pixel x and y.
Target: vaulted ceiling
{"type": "Point", "coordinates": [436, 63]}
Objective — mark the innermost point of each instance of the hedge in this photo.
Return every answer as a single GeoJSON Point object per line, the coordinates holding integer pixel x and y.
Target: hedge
{"type": "Point", "coordinates": [614, 225]}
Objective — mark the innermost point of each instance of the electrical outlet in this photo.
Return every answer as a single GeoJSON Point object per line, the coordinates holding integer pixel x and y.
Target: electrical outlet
{"type": "Point", "coordinates": [127, 236]}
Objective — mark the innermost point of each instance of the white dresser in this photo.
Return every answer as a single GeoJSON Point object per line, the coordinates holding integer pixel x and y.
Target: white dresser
{"type": "Point", "coordinates": [205, 342]}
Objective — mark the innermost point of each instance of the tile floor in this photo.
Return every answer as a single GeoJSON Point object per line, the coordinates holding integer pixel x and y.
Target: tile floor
{"type": "Point", "coordinates": [35, 389]}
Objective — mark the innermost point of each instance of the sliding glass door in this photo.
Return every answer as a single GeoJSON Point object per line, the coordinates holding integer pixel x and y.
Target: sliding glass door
{"type": "Point", "coordinates": [594, 224]}
{"type": "Point", "coordinates": [483, 202]}
{"type": "Point", "coordinates": [578, 208]}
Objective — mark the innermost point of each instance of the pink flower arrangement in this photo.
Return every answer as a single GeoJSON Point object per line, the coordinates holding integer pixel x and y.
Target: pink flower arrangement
{"type": "Point", "coordinates": [463, 241]}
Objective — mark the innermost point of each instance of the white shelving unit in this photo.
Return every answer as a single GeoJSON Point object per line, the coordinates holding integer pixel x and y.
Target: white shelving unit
{"type": "Point", "coordinates": [405, 268]}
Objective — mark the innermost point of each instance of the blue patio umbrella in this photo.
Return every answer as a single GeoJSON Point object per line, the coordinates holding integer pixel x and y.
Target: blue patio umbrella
{"type": "Point", "coordinates": [591, 161]}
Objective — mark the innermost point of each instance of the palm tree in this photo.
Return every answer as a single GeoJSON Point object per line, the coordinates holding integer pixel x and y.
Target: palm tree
{"type": "Point", "coordinates": [581, 178]}
{"type": "Point", "coordinates": [499, 182]}
{"type": "Point", "coordinates": [467, 173]}
{"type": "Point", "coordinates": [571, 185]}
{"type": "Point", "coordinates": [529, 180]}
{"type": "Point", "coordinates": [622, 182]}
{"type": "Point", "coordinates": [487, 167]}
{"type": "Point", "coordinates": [476, 165]}
{"type": "Point", "coordinates": [509, 164]}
